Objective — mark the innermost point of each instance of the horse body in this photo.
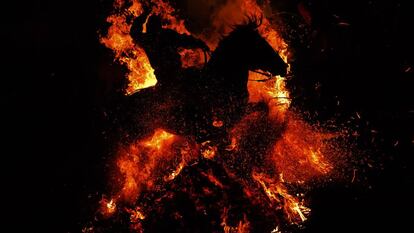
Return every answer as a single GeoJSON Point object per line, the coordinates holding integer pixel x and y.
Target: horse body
{"type": "Point", "coordinates": [217, 93]}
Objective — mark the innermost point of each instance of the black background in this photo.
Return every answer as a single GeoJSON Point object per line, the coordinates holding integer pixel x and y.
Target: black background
{"type": "Point", "coordinates": [57, 81]}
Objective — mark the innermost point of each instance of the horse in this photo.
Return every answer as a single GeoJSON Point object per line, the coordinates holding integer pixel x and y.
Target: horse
{"type": "Point", "coordinates": [210, 101]}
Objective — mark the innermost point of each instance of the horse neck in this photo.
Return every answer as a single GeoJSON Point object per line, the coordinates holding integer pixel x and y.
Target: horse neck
{"type": "Point", "coordinates": [229, 68]}
{"type": "Point", "coordinates": [227, 59]}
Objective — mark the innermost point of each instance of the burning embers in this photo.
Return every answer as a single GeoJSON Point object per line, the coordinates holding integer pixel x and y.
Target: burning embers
{"type": "Point", "coordinates": [150, 162]}
{"type": "Point", "coordinates": [258, 170]}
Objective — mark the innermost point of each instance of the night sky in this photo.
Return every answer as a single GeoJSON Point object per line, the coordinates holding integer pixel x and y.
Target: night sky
{"type": "Point", "coordinates": [58, 81]}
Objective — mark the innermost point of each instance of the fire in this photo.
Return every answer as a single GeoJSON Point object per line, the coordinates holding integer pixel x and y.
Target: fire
{"type": "Point", "coordinates": [136, 214]}
{"type": "Point", "coordinates": [279, 195]}
{"type": "Point", "coordinates": [318, 161]}
{"type": "Point", "coordinates": [167, 12]}
{"type": "Point", "coordinates": [176, 172]}
{"type": "Point", "coordinates": [232, 145]}
{"type": "Point", "coordinates": [158, 140]}
{"type": "Point", "coordinates": [218, 123]}
{"type": "Point", "coordinates": [212, 179]}
{"type": "Point", "coordinates": [139, 163]}
{"type": "Point", "coordinates": [108, 207]}
{"type": "Point", "coordinates": [300, 153]}
{"type": "Point", "coordinates": [207, 150]}
{"type": "Point", "coordinates": [141, 74]}
{"type": "Point", "coordinates": [273, 92]}
{"type": "Point", "coordinates": [242, 227]}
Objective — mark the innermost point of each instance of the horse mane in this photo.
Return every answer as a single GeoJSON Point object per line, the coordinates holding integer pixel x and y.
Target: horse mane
{"type": "Point", "coordinates": [239, 32]}
{"type": "Point", "coordinates": [250, 24]}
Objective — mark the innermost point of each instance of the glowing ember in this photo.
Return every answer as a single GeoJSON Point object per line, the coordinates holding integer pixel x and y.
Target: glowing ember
{"type": "Point", "coordinates": [218, 123]}
{"type": "Point", "coordinates": [208, 151]}
{"type": "Point", "coordinates": [212, 179]}
{"type": "Point", "coordinates": [139, 163]}
{"type": "Point", "coordinates": [176, 172]}
{"type": "Point", "coordinates": [159, 139]}
{"type": "Point", "coordinates": [108, 207]}
{"type": "Point", "coordinates": [232, 145]}
{"type": "Point", "coordinates": [136, 214]}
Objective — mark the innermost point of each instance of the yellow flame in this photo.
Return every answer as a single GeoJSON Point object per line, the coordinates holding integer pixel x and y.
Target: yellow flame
{"type": "Point", "coordinates": [158, 139]}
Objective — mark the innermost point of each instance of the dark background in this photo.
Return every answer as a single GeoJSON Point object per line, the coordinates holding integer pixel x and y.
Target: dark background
{"type": "Point", "coordinates": [58, 81]}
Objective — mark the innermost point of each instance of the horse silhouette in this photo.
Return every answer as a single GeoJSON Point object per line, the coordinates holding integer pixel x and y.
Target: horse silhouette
{"type": "Point", "coordinates": [218, 92]}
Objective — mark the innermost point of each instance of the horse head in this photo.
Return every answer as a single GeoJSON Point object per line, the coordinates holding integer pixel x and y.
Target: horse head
{"type": "Point", "coordinates": [253, 51]}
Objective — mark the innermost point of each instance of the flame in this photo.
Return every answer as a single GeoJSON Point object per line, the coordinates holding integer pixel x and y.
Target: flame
{"type": "Point", "coordinates": [232, 145]}
{"type": "Point", "coordinates": [136, 214]}
{"type": "Point", "coordinates": [158, 140]}
{"type": "Point", "coordinates": [140, 162]}
{"type": "Point", "coordinates": [141, 74]}
{"type": "Point", "coordinates": [242, 227]}
{"type": "Point", "coordinates": [273, 91]}
{"type": "Point", "coordinates": [276, 230]}
{"type": "Point", "coordinates": [167, 12]}
{"type": "Point", "coordinates": [207, 150]}
{"type": "Point", "coordinates": [298, 155]}
{"type": "Point", "coordinates": [177, 171]}
{"type": "Point", "coordinates": [279, 195]}
{"type": "Point", "coordinates": [209, 175]}
{"type": "Point", "coordinates": [218, 123]}
{"type": "Point", "coordinates": [108, 207]}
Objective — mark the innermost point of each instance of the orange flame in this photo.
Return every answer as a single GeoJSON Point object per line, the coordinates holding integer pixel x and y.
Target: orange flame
{"type": "Point", "coordinates": [300, 153]}
{"type": "Point", "coordinates": [273, 91]}
{"type": "Point", "coordinates": [176, 172]}
{"type": "Point", "coordinates": [207, 150]}
{"type": "Point", "coordinates": [242, 227]}
{"type": "Point", "coordinates": [141, 74]}
{"type": "Point", "coordinates": [108, 207]}
{"type": "Point", "coordinates": [278, 194]}
{"type": "Point", "coordinates": [144, 163]}
{"type": "Point", "coordinates": [209, 175]}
